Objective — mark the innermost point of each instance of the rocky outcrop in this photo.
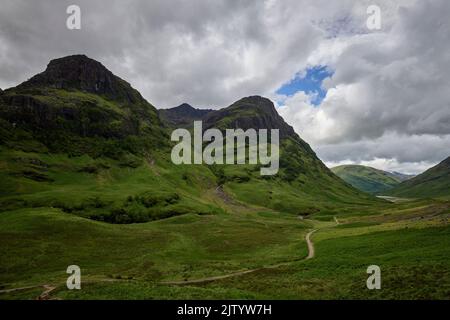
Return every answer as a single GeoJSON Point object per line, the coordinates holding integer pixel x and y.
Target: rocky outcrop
{"type": "Point", "coordinates": [76, 103]}
{"type": "Point", "coordinates": [251, 112]}
{"type": "Point", "coordinates": [82, 73]}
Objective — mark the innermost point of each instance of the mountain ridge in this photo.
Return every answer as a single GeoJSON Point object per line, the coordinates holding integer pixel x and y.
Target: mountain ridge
{"type": "Point", "coordinates": [367, 179]}
{"type": "Point", "coordinates": [86, 74]}
{"type": "Point", "coordinates": [78, 105]}
{"type": "Point", "coordinates": [434, 182]}
{"type": "Point", "coordinates": [83, 127]}
{"type": "Point", "coordinates": [182, 115]}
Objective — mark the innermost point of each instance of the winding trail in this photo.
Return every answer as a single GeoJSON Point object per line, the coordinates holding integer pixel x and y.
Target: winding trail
{"type": "Point", "coordinates": [336, 220]}
{"type": "Point", "coordinates": [45, 295]}
{"type": "Point", "coordinates": [19, 289]}
{"type": "Point", "coordinates": [311, 251]}
{"type": "Point", "coordinates": [49, 288]}
{"type": "Point", "coordinates": [310, 255]}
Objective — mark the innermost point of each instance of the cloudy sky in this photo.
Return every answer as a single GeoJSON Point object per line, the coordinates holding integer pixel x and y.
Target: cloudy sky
{"type": "Point", "coordinates": [375, 97]}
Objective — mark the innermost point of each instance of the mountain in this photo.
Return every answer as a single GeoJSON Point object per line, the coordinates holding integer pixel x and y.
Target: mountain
{"type": "Point", "coordinates": [299, 164]}
{"type": "Point", "coordinates": [250, 112]}
{"type": "Point", "coordinates": [183, 115]}
{"type": "Point", "coordinates": [367, 179]}
{"type": "Point", "coordinates": [400, 176]}
{"type": "Point", "coordinates": [433, 183]}
{"type": "Point", "coordinates": [78, 138]}
{"type": "Point", "coordinates": [78, 106]}
{"type": "Point", "coordinates": [85, 74]}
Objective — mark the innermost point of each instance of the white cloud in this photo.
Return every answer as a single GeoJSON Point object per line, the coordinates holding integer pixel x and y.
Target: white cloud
{"type": "Point", "coordinates": [389, 87]}
{"type": "Point", "coordinates": [388, 100]}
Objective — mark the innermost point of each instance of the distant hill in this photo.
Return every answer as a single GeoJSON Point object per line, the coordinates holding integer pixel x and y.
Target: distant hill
{"type": "Point", "coordinates": [183, 115]}
{"type": "Point", "coordinates": [368, 179]}
{"type": "Point", "coordinates": [433, 183]}
{"type": "Point", "coordinates": [400, 176]}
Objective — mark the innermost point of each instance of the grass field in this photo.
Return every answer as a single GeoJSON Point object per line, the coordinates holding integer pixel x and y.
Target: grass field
{"type": "Point", "coordinates": [86, 179]}
{"type": "Point", "coordinates": [133, 224]}
{"type": "Point", "coordinates": [409, 241]}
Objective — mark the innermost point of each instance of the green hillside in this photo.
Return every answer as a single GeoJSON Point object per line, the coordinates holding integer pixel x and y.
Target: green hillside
{"type": "Point", "coordinates": [87, 179]}
{"type": "Point", "coordinates": [433, 183]}
{"type": "Point", "coordinates": [77, 127]}
{"type": "Point", "coordinates": [365, 178]}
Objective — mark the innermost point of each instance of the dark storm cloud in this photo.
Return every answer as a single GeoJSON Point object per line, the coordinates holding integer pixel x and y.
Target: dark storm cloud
{"type": "Point", "coordinates": [388, 94]}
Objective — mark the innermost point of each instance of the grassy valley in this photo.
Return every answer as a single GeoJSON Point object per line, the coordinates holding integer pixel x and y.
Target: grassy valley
{"type": "Point", "coordinates": [87, 179]}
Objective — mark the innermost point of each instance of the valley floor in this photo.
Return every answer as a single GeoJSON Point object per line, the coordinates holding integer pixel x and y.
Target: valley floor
{"type": "Point", "coordinates": [250, 254]}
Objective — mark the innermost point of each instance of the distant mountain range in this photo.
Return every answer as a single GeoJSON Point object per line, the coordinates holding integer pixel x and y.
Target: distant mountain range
{"type": "Point", "coordinates": [400, 176]}
{"type": "Point", "coordinates": [369, 179]}
{"type": "Point", "coordinates": [433, 183]}
{"type": "Point", "coordinates": [183, 115]}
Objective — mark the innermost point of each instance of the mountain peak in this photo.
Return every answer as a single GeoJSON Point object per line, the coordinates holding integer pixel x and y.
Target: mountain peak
{"type": "Point", "coordinates": [183, 115]}
{"type": "Point", "coordinates": [261, 103]}
{"type": "Point", "coordinates": [250, 112]}
{"type": "Point", "coordinates": [184, 106]}
{"type": "Point", "coordinates": [83, 73]}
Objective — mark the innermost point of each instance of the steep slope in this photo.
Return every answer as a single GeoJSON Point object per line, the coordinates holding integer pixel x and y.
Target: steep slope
{"type": "Point", "coordinates": [78, 138]}
{"type": "Point", "coordinates": [365, 178]}
{"type": "Point", "coordinates": [251, 112]}
{"type": "Point", "coordinates": [182, 116]}
{"type": "Point", "coordinates": [303, 185]}
{"type": "Point", "coordinates": [433, 183]}
{"type": "Point", "coordinates": [78, 106]}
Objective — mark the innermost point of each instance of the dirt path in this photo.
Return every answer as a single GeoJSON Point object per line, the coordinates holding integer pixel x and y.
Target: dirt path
{"type": "Point", "coordinates": [336, 220]}
{"type": "Point", "coordinates": [19, 289]}
{"type": "Point", "coordinates": [310, 255]}
{"type": "Point", "coordinates": [226, 276]}
{"type": "Point", "coordinates": [395, 199]}
{"type": "Point", "coordinates": [49, 288]}
{"type": "Point", "coordinates": [46, 294]}
{"type": "Point", "coordinates": [210, 279]}
{"type": "Point", "coordinates": [311, 251]}
{"type": "Point", "coordinates": [43, 296]}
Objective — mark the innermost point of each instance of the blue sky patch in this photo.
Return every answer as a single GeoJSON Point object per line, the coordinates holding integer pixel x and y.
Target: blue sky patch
{"type": "Point", "coordinates": [311, 83]}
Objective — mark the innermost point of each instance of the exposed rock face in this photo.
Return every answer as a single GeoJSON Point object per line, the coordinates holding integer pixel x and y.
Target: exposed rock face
{"type": "Point", "coordinates": [183, 115]}
{"type": "Point", "coordinates": [254, 112]}
{"type": "Point", "coordinates": [82, 73]}
{"type": "Point", "coordinates": [77, 98]}
{"type": "Point", "coordinates": [251, 112]}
